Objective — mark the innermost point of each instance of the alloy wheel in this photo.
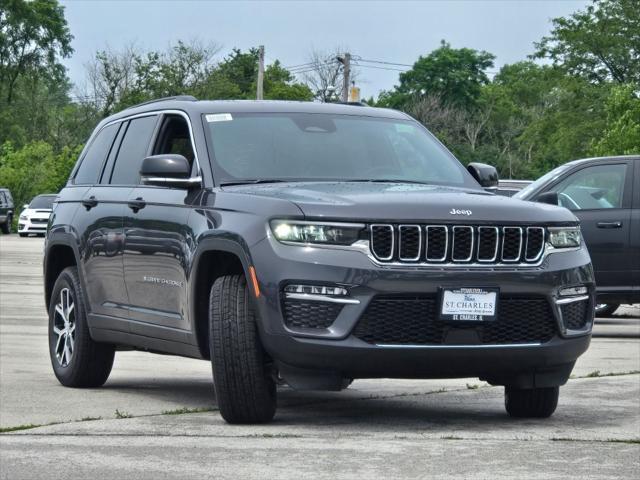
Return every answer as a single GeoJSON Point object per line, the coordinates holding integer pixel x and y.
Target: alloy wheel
{"type": "Point", "coordinates": [64, 327]}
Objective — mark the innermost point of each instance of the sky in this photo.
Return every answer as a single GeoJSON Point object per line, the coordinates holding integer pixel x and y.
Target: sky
{"type": "Point", "coordinates": [388, 31]}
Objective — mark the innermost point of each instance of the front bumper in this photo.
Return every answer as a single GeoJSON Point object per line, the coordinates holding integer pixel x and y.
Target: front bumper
{"type": "Point", "coordinates": [338, 352]}
{"type": "Point", "coordinates": [33, 225]}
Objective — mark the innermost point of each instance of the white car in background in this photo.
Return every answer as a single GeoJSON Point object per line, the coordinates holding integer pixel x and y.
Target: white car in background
{"type": "Point", "coordinates": [35, 216]}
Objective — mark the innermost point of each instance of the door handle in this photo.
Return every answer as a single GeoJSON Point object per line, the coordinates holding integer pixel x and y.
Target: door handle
{"type": "Point", "coordinates": [609, 224]}
{"type": "Point", "coordinates": [90, 202]}
{"type": "Point", "coordinates": [137, 204]}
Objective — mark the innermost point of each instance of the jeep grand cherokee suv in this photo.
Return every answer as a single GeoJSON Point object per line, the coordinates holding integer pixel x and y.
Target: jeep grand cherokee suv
{"type": "Point", "coordinates": [308, 244]}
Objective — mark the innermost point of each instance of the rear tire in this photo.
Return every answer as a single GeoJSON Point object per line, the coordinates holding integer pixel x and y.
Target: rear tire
{"type": "Point", "coordinates": [531, 402]}
{"type": "Point", "coordinates": [606, 309]}
{"type": "Point", "coordinates": [76, 359]}
{"type": "Point", "coordinates": [242, 377]}
{"type": "Point", "coordinates": [6, 226]}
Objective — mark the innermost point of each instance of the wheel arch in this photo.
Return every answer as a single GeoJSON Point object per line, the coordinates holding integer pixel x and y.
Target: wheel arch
{"type": "Point", "coordinates": [214, 258]}
{"type": "Point", "coordinates": [60, 253]}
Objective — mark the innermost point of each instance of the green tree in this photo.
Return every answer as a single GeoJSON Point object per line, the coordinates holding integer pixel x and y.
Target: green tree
{"type": "Point", "coordinates": [621, 135]}
{"type": "Point", "coordinates": [456, 75]}
{"type": "Point", "coordinates": [601, 43]}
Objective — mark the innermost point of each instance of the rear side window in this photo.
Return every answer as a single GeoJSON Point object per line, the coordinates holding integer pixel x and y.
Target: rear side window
{"type": "Point", "coordinates": [97, 152]}
{"type": "Point", "coordinates": [132, 151]}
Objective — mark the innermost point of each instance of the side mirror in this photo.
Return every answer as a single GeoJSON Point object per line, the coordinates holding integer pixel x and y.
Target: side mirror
{"type": "Point", "coordinates": [548, 197]}
{"type": "Point", "coordinates": [25, 206]}
{"type": "Point", "coordinates": [485, 175]}
{"type": "Point", "coordinates": [168, 170]}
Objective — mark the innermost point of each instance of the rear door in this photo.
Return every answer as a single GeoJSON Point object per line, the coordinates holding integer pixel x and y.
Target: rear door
{"type": "Point", "coordinates": [4, 207]}
{"type": "Point", "coordinates": [99, 222]}
{"type": "Point", "coordinates": [634, 251]}
{"type": "Point", "coordinates": [156, 242]}
{"type": "Point", "coordinates": [600, 195]}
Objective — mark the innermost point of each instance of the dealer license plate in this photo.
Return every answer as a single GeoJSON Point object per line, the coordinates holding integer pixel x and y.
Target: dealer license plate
{"type": "Point", "coordinates": [469, 304]}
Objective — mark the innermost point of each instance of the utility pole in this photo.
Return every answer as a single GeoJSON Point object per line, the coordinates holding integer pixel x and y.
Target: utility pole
{"type": "Point", "coordinates": [346, 61]}
{"type": "Point", "coordinates": [260, 92]}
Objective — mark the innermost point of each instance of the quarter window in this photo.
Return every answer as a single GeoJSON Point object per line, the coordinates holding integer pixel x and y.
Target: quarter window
{"type": "Point", "coordinates": [91, 164]}
{"type": "Point", "coordinates": [597, 187]}
{"type": "Point", "coordinates": [132, 151]}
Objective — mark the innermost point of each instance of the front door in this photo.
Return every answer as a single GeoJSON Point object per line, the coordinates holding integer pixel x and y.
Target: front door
{"type": "Point", "coordinates": [600, 196]}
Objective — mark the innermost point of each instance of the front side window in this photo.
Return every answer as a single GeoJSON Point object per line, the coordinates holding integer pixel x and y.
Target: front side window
{"type": "Point", "coordinates": [91, 164]}
{"type": "Point", "coordinates": [133, 149]}
{"type": "Point", "coordinates": [597, 187]}
{"type": "Point", "coordinates": [302, 146]}
{"type": "Point", "coordinates": [174, 138]}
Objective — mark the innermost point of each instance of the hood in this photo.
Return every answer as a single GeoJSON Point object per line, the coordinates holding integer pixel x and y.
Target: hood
{"type": "Point", "coordinates": [393, 202]}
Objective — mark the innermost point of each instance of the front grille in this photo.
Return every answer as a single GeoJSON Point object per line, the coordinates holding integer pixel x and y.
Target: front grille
{"type": "Point", "coordinates": [575, 315]}
{"type": "Point", "coordinates": [433, 244]}
{"type": "Point", "coordinates": [39, 220]}
{"type": "Point", "coordinates": [310, 314]}
{"type": "Point", "coordinates": [393, 320]}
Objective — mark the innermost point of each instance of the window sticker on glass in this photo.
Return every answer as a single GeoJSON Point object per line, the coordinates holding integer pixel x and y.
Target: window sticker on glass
{"type": "Point", "coordinates": [402, 128]}
{"type": "Point", "coordinates": [219, 117]}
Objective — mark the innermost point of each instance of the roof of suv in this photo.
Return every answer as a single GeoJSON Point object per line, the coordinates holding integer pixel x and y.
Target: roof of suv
{"type": "Point", "coordinates": [191, 105]}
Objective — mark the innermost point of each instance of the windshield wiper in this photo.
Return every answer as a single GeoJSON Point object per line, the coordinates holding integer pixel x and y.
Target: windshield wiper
{"type": "Point", "coordinates": [385, 180]}
{"type": "Point", "coordinates": [253, 181]}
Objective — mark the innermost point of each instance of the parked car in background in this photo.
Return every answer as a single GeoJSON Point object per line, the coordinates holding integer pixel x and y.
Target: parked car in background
{"type": "Point", "coordinates": [604, 193]}
{"type": "Point", "coordinates": [35, 216]}
{"type": "Point", "coordinates": [508, 188]}
{"type": "Point", "coordinates": [6, 210]}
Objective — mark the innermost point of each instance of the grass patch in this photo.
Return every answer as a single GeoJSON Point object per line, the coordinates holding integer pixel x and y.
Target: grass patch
{"type": "Point", "coordinates": [122, 414]}
{"type": "Point", "coordinates": [184, 410]}
{"type": "Point", "coordinates": [90, 419]}
{"type": "Point", "coordinates": [597, 374]}
{"type": "Point", "coordinates": [17, 428]}
{"type": "Point", "coordinates": [630, 441]}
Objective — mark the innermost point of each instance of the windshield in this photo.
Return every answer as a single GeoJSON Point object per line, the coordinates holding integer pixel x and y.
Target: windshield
{"type": "Point", "coordinates": [43, 202]}
{"type": "Point", "coordinates": [527, 191]}
{"type": "Point", "coordinates": [316, 147]}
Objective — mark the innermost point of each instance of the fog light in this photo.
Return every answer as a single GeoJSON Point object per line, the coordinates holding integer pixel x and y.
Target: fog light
{"type": "Point", "coordinates": [316, 290]}
{"type": "Point", "coordinates": [572, 291]}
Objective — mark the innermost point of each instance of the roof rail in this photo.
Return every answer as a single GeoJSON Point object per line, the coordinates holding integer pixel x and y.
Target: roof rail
{"type": "Point", "coordinates": [355, 104]}
{"type": "Point", "coordinates": [184, 98]}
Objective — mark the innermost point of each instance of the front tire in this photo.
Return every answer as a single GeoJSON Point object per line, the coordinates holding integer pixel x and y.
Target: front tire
{"type": "Point", "coordinates": [23, 234]}
{"type": "Point", "coordinates": [6, 226]}
{"type": "Point", "coordinates": [77, 360]}
{"type": "Point", "coordinates": [531, 402]}
{"type": "Point", "coordinates": [242, 377]}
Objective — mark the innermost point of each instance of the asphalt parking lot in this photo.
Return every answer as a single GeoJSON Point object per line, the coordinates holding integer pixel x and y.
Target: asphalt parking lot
{"type": "Point", "coordinates": [155, 417]}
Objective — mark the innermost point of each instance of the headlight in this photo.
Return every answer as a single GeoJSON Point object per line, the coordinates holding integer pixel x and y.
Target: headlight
{"type": "Point", "coordinates": [321, 233]}
{"type": "Point", "coordinates": [23, 217]}
{"type": "Point", "coordinates": [565, 237]}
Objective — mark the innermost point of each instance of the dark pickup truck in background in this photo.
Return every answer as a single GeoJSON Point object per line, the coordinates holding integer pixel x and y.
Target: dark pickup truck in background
{"type": "Point", "coordinates": [604, 193]}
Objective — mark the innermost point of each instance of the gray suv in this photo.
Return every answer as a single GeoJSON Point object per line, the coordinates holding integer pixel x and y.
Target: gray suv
{"type": "Point", "coordinates": [308, 244]}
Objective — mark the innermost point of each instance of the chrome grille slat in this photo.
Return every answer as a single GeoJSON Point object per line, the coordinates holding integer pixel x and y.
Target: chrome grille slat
{"type": "Point", "coordinates": [530, 243]}
{"type": "Point", "coordinates": [430, 238]}
{"type": "Point", "coordinates": [406, 235]}
{"type": "Point", "coordinates": [379, 247]}
{"type": "Point", "coordinates": [479, 245]}
{"type": "Point", "coordinates": [513, 253]}
{"type": "Point", "coordinates": [464, 235]}
{"type": "Point", "coordinates": [484, 232]}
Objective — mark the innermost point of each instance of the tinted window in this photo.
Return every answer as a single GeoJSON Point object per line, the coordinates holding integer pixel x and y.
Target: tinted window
{"type": "Point", "coordinates": [3, 200]}
{"type": "Point", "coordinates": [301, 146]}
{"type": "Point", "coordinates": [42, 201]}
{"type": "Point", "coordinates": [133, 150]}
{"type": "Point", "coordinates": [91, 165]}
{"type": "Point", "coordinates": [174, 138]}
{"type": "Point", "coordinates": [600, 186]}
